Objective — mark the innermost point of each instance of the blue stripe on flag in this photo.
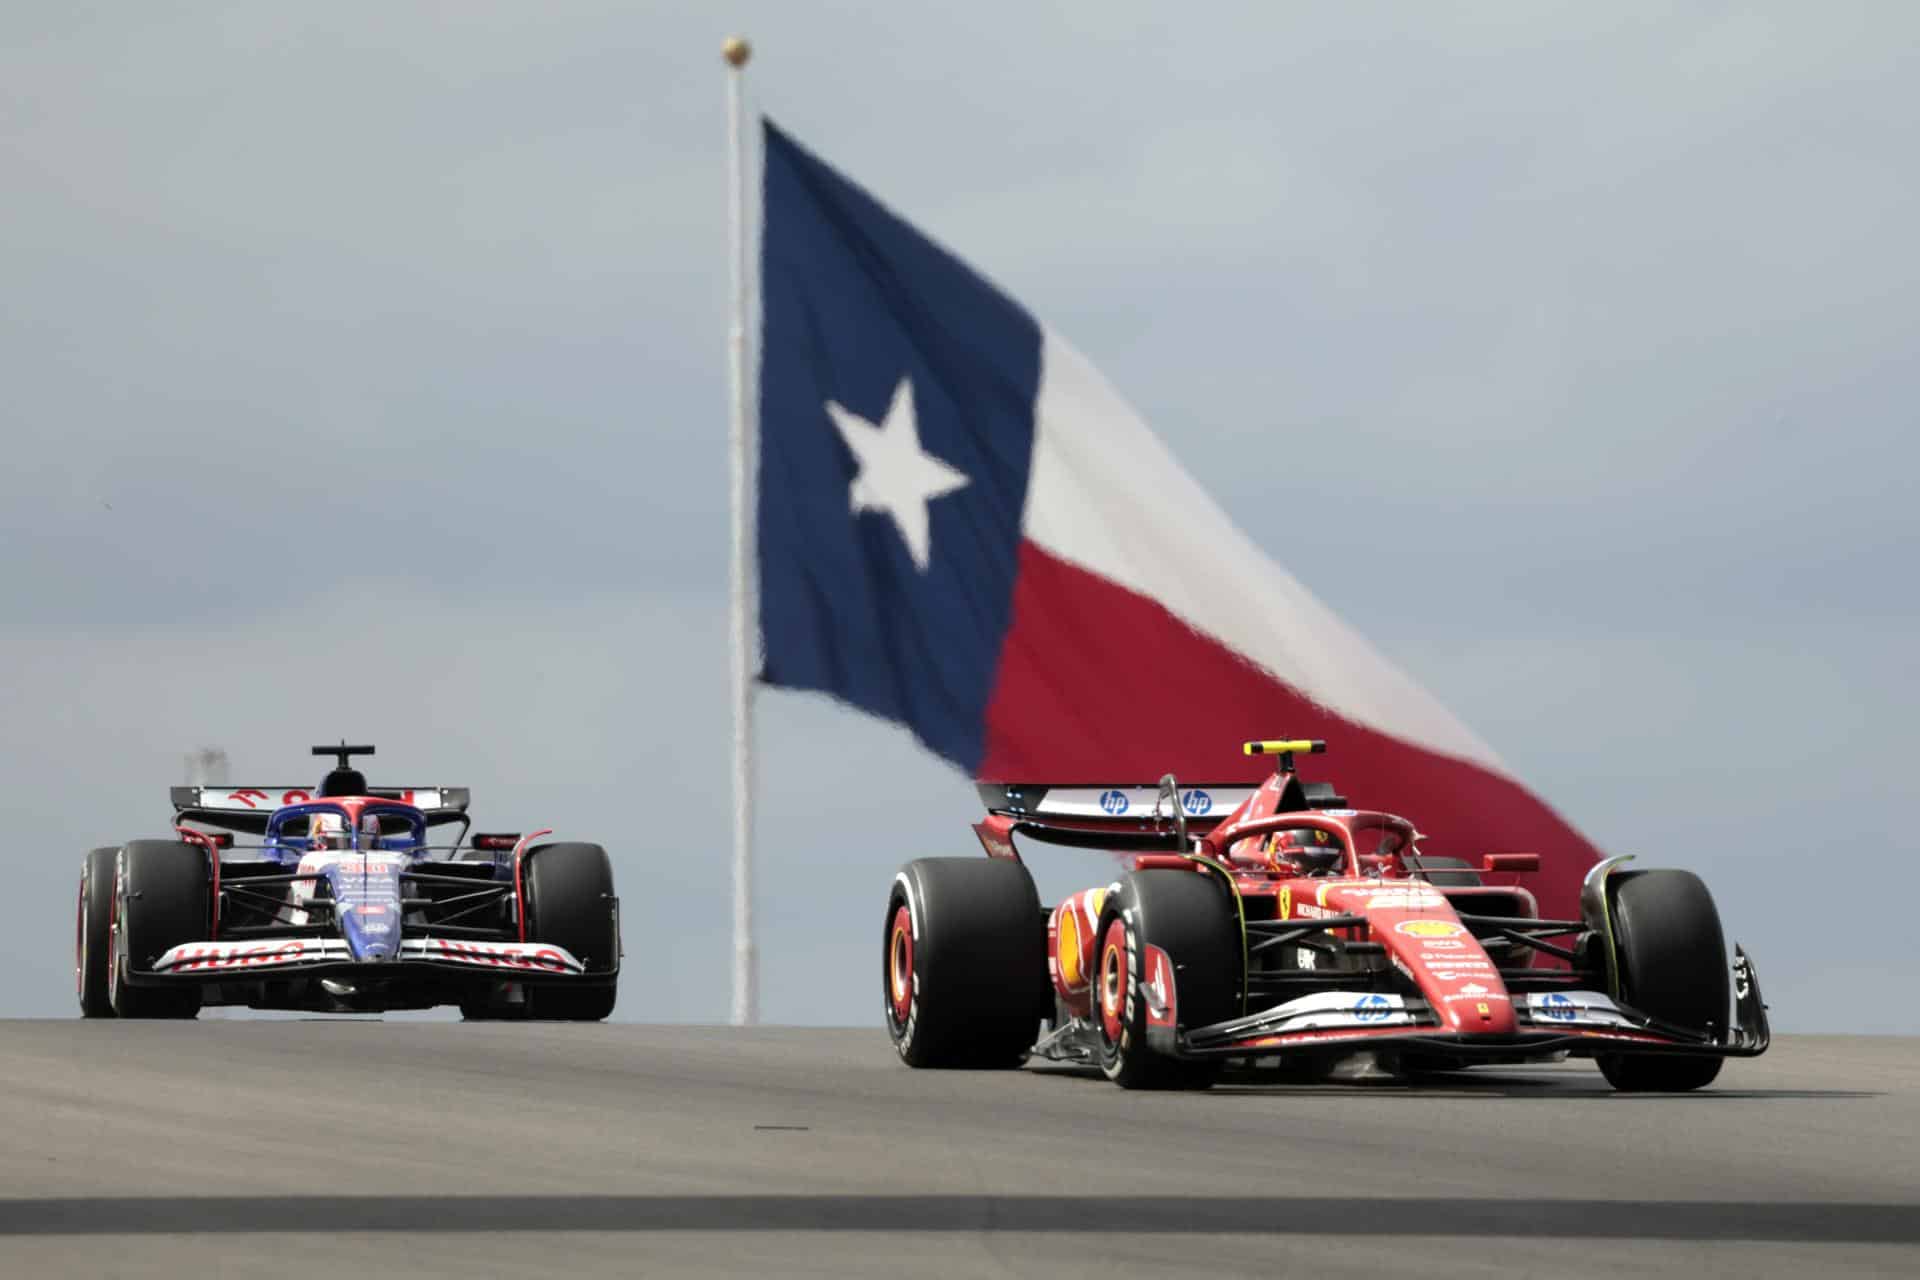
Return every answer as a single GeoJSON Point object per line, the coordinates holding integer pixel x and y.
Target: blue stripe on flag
{"type": "Point", "coordinates": [896, 424]}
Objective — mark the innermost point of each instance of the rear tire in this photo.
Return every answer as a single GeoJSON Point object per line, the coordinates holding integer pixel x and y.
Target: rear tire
{"type": "Point", "coordinates": [1673, 966]}
{"type": "Point", "coordinates": [964, 966]}
{"type": "Point", "coordinates": [570, 903]}
{"type": "Point", "coordinates": [1191, 917]}
{"type": "Point", "coordinates": [93, 935]}
{"type": "Point", "coordinates": [160, 901]}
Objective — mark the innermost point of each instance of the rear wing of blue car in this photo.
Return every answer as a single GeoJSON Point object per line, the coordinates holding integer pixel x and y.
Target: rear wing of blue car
{"type": "Point", "coordinates": [247, 809]}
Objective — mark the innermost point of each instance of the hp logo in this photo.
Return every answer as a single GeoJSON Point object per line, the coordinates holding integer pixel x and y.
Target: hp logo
{"type": "Point", "coordinates": [1196, 802]}
{"type": "Point", "coordinates": [1114, 802]}
{"type": "Point", "coordinates": [1558, 1007]}
{"type": "Point", "coordinates": [1371, 1008]}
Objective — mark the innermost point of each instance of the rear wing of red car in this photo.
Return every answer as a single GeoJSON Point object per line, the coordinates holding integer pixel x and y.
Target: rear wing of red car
{"type": "Point", "coordinates": [247, 809]}
{"type": "Point", "coordinates": [1136, 816]}
{"type": "Point", "coordinates": [1117, 815]}
{"type": "Point", "coordinates": [1122, 817]}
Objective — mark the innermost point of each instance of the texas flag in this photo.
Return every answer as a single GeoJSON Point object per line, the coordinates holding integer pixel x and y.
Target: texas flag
{"type": "Point", "coordinates": [965, 529]}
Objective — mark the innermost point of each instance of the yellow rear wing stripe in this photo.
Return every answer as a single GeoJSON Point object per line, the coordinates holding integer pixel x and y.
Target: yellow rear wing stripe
{"type": "Point", "coordinates": [1290, 746]}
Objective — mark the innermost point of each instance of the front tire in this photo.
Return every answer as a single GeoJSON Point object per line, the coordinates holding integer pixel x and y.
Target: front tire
{"type": "Point", "coordinates": [160, 901]}
{"type": "Point", "coordinates": [570, 903]}
{"type": "Point", "coordinates": [964, 967]}
{"type": "Point", "coordinates": [1192, 919]}
{"type": "Point", "coordinates": [93, 935]}
{"type": "Point", "coordinates": [1673, 966]}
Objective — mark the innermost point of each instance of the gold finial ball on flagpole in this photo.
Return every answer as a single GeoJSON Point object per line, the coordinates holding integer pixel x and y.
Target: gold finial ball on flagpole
{"type": "Point", "coordinates": [736, 51]}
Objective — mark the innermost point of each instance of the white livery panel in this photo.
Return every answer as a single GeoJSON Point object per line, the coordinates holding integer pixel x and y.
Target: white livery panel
{"type": "Point", "coordinates": [1339, 1010]}
{"type": "Point", "coordinates": [211, 957]}
{"type": "Point", "coordinates": [1328, 1011]}
{"type": "Point", "coordinates": [267, 799]}
{"type": "Point", "coordinates": [535, 957]}
{"type": "Point", "coordinates": [1138, 802]}
{"type": "Point", "coordinates": [243, 957]}
{"type": "Point", "coordinates": [1575, 1009]}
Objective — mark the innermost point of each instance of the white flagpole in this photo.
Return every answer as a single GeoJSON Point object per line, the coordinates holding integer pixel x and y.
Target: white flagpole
{"type": "Point", "coordinates": [746, 976]}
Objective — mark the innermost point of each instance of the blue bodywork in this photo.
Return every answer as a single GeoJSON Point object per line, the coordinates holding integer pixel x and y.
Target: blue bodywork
{"type": "Point", "coordinates": [360, 864]}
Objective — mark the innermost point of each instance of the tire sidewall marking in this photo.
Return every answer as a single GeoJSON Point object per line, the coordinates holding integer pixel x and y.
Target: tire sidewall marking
{"type": "Point", "coordinates": [80, 941]}
{"type": "Point", "coordinates": [115, 931]}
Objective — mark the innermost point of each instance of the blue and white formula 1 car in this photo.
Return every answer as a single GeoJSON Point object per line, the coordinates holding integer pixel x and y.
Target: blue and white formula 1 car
{"type": "Point", "coordinates": [344, 906]}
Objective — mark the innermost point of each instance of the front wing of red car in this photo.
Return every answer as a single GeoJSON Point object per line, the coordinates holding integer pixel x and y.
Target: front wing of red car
{"type": "Point", "coordinates": [1581, 1022]}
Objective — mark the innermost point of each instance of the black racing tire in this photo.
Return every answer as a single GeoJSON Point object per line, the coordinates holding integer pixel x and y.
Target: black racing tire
{"type": "Point", "coordinates": [570, 903]}
{"type": "Point", "coordinates": [963, 969]}
{"type": "Point", "coordinates": [1673, 966]}
{"type": "Point", "coordinates": [160, 901]}
{"type": "Point", "coordinates": [1192, 918]}
{"type": "Point", "coordinates": [93, 934]}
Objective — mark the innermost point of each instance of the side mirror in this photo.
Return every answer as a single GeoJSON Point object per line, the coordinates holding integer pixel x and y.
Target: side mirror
{"type": "Point", "coordinates": [1511, 862]}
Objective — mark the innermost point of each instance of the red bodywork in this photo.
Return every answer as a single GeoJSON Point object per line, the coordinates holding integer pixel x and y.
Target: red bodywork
{"type": "Point", "coordinates": [1531, 996]}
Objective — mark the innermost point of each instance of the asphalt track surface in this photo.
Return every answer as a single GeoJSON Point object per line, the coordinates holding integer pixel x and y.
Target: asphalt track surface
{"type": "Point", "coordinates": [428, 1149]}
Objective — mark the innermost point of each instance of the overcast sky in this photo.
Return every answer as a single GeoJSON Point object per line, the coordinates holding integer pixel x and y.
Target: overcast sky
{"type": "Point", "coordinates": [364, 376]}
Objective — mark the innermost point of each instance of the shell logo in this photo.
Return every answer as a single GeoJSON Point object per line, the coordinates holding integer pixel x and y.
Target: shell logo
{"type": "Point", "coordinates": [1067, 949]}
{"type": "Point", "coordinates": [1429, 929]}
{"type": "Point", "coordinates": [1074, 923]}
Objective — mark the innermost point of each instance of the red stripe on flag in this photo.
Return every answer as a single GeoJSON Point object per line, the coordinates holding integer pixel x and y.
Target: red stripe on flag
{"type": "Point", "coordinates": [1098, 684]}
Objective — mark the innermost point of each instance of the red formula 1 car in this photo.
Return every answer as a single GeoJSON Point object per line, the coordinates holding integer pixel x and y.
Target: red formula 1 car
{"type": "Point", "coordinates": [343, 903]}
{"type": "Point", "coordinates": [1294, 931]}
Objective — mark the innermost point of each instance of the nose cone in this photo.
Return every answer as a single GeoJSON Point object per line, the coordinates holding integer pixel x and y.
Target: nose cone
{"type": "Point", "coordinates": [372, 930]}
{"type": "Point", "coordinates": [1453, 971]}
{"type": "Point", "coordinates": [366, 894]}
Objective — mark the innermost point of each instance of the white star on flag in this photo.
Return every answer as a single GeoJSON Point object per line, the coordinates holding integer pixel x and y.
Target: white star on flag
{"type": "Point", "coordinates": [897, 476]}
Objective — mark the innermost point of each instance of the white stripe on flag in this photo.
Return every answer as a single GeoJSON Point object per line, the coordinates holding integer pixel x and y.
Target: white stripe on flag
{"type": "Point", "coordinates": [1108, 496]}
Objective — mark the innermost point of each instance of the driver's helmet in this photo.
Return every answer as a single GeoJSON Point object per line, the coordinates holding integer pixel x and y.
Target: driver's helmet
{"type": "Point", "coordinates": [1308, 848]}
{"type": "Point", "coordinates": [326, 831]}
